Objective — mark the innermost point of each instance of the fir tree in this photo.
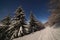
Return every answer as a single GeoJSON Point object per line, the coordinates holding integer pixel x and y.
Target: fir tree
{"type": "Point", "coordinates": [20, 22]}
{"type": "Point", "coordinates": [34, 24]}
{"type": "Point", "coordinates": [6, 22]}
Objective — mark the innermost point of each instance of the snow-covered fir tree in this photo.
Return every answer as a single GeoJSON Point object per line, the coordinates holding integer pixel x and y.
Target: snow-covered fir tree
{"type": "Point", "coordinates": [6, 22]}
{"type": "Point", "coordinates": [19, 20]}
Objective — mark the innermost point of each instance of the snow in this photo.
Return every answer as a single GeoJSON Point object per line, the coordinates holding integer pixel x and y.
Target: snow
{"type": "Point", "coordinates": [49, 33]}
{"type": "Point", "coordinates": [1, 24]}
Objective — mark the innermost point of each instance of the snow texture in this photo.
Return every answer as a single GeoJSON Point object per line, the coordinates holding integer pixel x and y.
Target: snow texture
{"type": "Point", "coordinates": [49, 33]}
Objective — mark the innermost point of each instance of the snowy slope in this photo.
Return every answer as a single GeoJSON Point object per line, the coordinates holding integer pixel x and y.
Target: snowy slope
{"type": "Point", "coordinates": [49, 33]}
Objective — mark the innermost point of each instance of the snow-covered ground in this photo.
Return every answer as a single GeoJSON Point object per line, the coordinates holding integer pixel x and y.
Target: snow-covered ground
{"type": "Point", "coordinates": [49, 33]}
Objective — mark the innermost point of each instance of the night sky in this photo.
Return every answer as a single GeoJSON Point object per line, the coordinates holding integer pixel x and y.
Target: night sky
{"type": "Point", "coordinates": [38, 7]}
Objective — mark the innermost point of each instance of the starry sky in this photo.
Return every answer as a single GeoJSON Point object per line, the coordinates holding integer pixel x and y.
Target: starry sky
{"type": "Point", "coordinates": [38, 7]}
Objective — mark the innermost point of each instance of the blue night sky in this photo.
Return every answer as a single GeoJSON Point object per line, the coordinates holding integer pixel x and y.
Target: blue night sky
{"type": "Point", "coordinates": [38, 7]}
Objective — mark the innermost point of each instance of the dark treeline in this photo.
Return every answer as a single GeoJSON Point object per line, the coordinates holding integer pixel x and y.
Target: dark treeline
{"type": "Point", "coordinates": [54, 7]}
{"type": "Point", "coordinates": [17, 26]}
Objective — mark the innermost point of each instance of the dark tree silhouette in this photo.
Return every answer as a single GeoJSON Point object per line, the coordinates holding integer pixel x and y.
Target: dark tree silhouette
{"type": "Point", "coordinates": [35, 25]}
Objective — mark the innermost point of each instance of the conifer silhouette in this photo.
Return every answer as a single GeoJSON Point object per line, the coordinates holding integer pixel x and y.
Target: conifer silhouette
{"type": "Point", "coordinates": [35, 25]}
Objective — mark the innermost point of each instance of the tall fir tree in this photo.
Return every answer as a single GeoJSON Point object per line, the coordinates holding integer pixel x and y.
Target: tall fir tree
{"type": "Point", "coordinates": [32, 24]}
{"type": "Point", "coordinates": [20, 22]}
{"type": "Point", "coordinates": [35, 25]}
